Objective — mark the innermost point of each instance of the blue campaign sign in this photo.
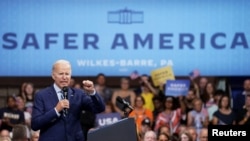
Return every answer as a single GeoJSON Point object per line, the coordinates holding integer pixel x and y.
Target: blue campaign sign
{"type": "Point", "coordinates": [107, 119]}
{"type": "Point", "coordinates": [117, 37]}
{"type": "Point", "coordinates": [177, 87]}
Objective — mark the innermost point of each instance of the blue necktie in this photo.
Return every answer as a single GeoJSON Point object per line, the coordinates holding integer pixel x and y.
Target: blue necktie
{"type": "Point", "coordinates": [64, 110]}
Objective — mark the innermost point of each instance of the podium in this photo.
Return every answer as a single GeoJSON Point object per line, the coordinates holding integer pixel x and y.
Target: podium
{"type": "Point", "coordinates": [122, 130]}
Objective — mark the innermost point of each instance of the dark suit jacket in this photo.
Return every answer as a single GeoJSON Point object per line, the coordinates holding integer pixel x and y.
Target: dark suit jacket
{"type": "Point", "coordinates": [54, 128]}
{"type": "Point", "coordinates": [238, 101]}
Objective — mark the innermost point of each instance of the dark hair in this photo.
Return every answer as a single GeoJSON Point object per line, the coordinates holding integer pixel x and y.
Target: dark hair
{"type": "Point", "coordinates": [159, 98]}
{"type": "Point", "coordinates": [100, 74]}
{"type": "Point", "coordinates": [205, 97]}
{"type": "Point", "coordinates": [10, 97]}
{"type": "Point", "coordinates": [142, 98]}
{"type": "Point", "coordinates": [160, 128]}
{"type": "Point", "coordinates": [175, 104]}
{"type": "Point", "coordinates": [220, 101]}
{"type": "Point", "coordinates": [192, 88]}
{"type": "Point", "coordinates": [109, 103]}
{"type": "Point", "coordinates": [146, 121]}
{"type": "Point", "coordinates": [175, 137]}
{"type": "Point", "coordinates": [166, 135]}
{"type": "Point", "coordinates": [25, 92]}
{"type": "Point", "coordinates": [219, 92]}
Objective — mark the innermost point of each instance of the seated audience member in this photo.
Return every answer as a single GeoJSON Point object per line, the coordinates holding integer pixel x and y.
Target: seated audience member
{"type": "Point", "coordinates": [192, 131]}
{"type": "Point", "coordinates": [109, 108]}
{"type": "Point", "coordinates": [145, 126]}
{"type": "Point", "coordinates": [144, 80]}
{"type": "Point", "coordinates": [158, 108]}
{"type": "Point", "coordinates": [5, 139]}
{"type": "Point", "coordinates": [148, 97]}
{"type": "Point", "coordinates": [175, 137]}
{"type": "Point", "coordinates": [140, 112]}
{"type": "Point", "coordinates": [171, 115]}
{"type": "Point", "coordinates": [5, 135]}
{"type": "Point", "coordinates": [150, 136]}
{"type": "Point", "coordinates": [164, 129]}
{"type": "Point", "coordinates": [208, 96]}
{"type": "Point", "coordinates": [163, 137]}
{"type": "Point", "coordinates": [72, 82]}
{"type": "Point", "coordinates": [28, 93]}
{"type": "Point", "coordinates": [239, 99]}
{"type": "Point", "coordinates": [202, 84]}
{"type": "Point", "coordinates": [185, 136]}
{"type": "Point", "coordinates": [125, 93]}
{"type": "Point", "coordinates": [20, 133]}
{"type": "Point", "coordinates": [78, 85]}
{"type": "Point", "coordinates": [182, 127]}
{"type": "Point", "coordinates": [10, 115]}
{"type": "Point", "coordinates": [198, 117]}
{"type": "Point", "coordinates": [102, 88]}
{"type": "Point", "coordinates": [243, 116]}
{"type": "Point", "coordinates": [224, 115]}
{"type": "Point", "coordinates": [217, 95]}
{"type": "Point", "coordinates": [21, 107]}
{"type": "Point", "coordinates": [187, 101]}
{"type": "Point", "coordinates": [203, 135]}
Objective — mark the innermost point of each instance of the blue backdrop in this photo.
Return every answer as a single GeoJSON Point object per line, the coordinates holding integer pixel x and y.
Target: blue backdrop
{"type": "Point", "coordinates": [117, 37]}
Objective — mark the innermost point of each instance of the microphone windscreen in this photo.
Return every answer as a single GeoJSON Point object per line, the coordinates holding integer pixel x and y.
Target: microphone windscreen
{"type": "Point", "coordinates": [65, 92]}
{"type": "Point", "coordinates": [65, 89]}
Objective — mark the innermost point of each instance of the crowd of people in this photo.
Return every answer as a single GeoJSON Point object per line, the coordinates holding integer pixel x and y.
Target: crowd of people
{"type": "Point", "coordinates": [15, 117]}
{"type": "Point", "coordinates": [158, 117]}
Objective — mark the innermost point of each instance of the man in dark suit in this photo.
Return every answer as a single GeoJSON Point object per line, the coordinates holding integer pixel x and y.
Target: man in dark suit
{"type": "Point", "coordinates": [239, 99]}
{"type": "Point", "coordinates": [59, 119]}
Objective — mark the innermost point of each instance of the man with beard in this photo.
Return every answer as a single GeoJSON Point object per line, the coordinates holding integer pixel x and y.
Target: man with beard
{"type": "Point", "coordinates": [191, 95]}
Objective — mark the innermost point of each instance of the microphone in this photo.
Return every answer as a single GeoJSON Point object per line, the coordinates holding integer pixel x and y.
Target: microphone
{"type": "Point", "coordinates": [125, 103]}
{"type": "Point", "coordinates": [65, 96]}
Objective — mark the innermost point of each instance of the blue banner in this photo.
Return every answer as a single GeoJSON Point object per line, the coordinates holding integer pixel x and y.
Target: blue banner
{"type": "Point", "coordinates": [117, 37]}
{"type": "Point", "coordinates": [177, 87]}
{"type": "Point", "coordinates": [107, 118]}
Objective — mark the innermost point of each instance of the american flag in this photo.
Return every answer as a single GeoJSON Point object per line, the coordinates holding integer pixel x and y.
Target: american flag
{"type": "Point", "coordinates": [134, 75]}
{"type": "Point", "coordinates": [194, 74]}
